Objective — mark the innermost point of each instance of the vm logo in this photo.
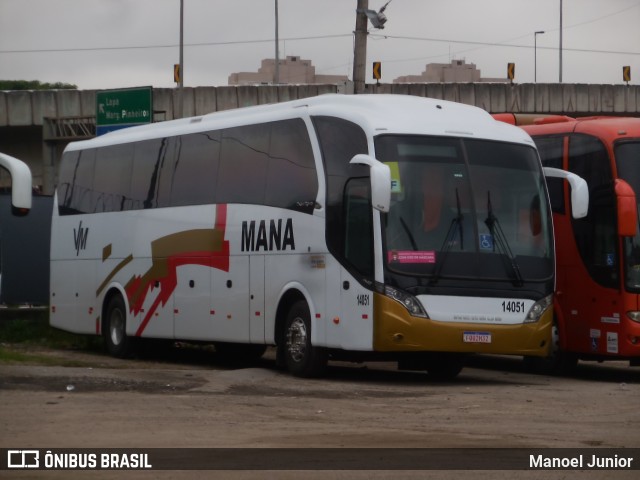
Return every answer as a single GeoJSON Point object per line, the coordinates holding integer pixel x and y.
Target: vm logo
{"type": "Point", "coordinates": [80, 238]}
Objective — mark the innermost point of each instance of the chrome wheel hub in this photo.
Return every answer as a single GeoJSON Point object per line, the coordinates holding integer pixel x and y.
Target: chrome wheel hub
{"type": "Point", "coordinates": [297, 339]}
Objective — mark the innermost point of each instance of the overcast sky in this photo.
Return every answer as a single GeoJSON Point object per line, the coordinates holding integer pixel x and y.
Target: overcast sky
{"type": "Point", "coordinates": [98, 44]}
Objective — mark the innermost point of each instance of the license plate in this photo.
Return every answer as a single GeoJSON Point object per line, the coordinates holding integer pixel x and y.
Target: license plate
{"type": "Point", "coordinates": [476, 337]}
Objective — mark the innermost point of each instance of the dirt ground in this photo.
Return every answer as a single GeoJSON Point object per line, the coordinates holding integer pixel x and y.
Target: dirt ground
{"type": "Point", "coordinates": [192, 400]}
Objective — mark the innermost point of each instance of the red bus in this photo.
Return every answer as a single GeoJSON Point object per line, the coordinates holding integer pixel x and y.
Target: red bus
{"type": "Point", "coordinates": [597, 300]}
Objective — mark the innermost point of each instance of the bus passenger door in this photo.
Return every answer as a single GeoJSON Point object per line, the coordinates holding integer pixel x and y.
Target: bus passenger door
{"type": "Point", "coordinates": [356, 301]}
{"type": "Point", "coordinates": [593, 294]}
{"type": "Point", "coordinates": [256, 301]}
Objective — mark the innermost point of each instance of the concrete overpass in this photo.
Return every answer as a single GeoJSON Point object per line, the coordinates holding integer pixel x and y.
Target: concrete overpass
{"type": "Point", "coordinates": [36, 125]}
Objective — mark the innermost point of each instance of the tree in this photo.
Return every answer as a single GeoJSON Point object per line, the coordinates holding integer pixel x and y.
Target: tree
{"type": "Point", "coordinates": [34, 85]}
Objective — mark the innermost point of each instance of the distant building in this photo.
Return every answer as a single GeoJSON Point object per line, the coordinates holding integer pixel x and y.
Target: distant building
{"type": "Point", "coordinates": [293, 70]}
{"type": "Point", "coordinates": [458, 71]}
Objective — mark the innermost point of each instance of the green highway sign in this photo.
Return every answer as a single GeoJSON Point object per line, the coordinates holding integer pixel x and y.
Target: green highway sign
{"type": "Point", "coordinates": [122, 108]}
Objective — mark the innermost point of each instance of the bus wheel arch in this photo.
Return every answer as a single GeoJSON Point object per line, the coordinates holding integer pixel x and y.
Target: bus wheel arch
{"type": "Point", "coordinates": [114, 325]}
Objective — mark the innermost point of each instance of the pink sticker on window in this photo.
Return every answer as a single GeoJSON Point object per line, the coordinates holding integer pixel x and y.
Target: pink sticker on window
{"type": "Point", "coordinates": [410, 256]}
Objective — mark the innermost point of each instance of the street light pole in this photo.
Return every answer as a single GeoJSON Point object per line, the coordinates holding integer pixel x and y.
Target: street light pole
{"type": "Point", "coordinates": [276, 79]}
{"type": "Point", "coordinates": [181, 66]}
{"type": "Point", "coordinates": [560, 49]}
{"type": "Point", "coordinates": [535, 55]}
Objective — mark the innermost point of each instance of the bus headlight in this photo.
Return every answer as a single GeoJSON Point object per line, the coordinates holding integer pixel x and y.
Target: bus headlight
{"type": "Point", "coordinates": [408, 301]}
{"type": "Point", "coordinates": [538, 308]}
{"type": "Point", "coordinates": [634, 315]}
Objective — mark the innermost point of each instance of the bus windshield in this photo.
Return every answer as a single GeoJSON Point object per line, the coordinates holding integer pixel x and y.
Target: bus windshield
{"type": "Point", "coordinates": [628, 164]}
{"type": "Point", "coordinates": [464, 208]}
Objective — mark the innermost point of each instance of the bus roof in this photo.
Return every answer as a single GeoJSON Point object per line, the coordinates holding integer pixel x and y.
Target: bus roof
{"type": "Point", "coordinates": [377, 114]}
{"type": "Point", "coordinates": [606, 128]}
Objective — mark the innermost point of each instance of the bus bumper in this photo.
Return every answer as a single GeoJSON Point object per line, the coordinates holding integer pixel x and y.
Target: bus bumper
{"type": "Point", "coordinates": [395, 330]}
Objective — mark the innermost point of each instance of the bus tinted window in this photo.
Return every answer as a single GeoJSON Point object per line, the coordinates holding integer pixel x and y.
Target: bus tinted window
{"type": "Point", "coordinates": [627, 154]}
{"type": "Point", "coordinates": [65, 179]}
{"type": "Point", "coordinates": [358, 231]}
{"type": "Point", "coordinates": [112, 178]}
{"type": "Point", "coordinates": [588, 158]}
{"type": "Point", "coordinates": [339, 140]}
{"type": "Point", "coordinates": [152, 173]}
{"type": "Point", "coordinates": [270, 164]}
{"type": "Point", "coordinates": [551, 149]}
{"type": "Point", "coordinates": [194, 178]}
{"type": "Point", "coordinates": [291, 178]}
{"type": "Point", "coordinates": [595, 235]}
{"type": "Point", "coordinates": [77, 175]}
{"type": "Point", "coordinates": [459, 207]}
{"type": "Point", "coordinates": [243, 165]}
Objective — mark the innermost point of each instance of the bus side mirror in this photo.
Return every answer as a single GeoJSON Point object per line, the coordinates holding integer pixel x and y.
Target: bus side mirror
{"type": "Point", "coordinates": [627, 209]}
{"type": "Point", "coordinates": [579, 190]}
{"type": "Point", "coordinates": [20, 181]}
{"type": "Point", "coordinates": [380, 181]}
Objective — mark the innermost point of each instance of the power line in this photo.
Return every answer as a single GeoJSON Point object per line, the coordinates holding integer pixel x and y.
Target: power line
{"type": "Point", "coordinates": [270, 40]}
{"type": "Point", "coordinates": [142, 47]}
{"type": "Point", "coordinates": [506, 45]}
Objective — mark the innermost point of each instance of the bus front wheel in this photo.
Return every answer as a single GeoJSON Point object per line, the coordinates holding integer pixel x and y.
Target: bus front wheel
{"type": "Point", "coordinates": [558, 362]}
{"type": "Point", "coordinates": [301, 357]}
{"type": "Point", "coordinates": [443, 367]}
{"type": "Point", "coordinates": [114, 329]}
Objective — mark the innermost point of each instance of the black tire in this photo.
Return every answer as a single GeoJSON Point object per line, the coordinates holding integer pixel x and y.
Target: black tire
{"type": "Point", "coordinates": [114, 329]}
{"type": "Point", "coordinates": [443, 367]}
{"type": "Point", "coordinates": [558, 362]}
{"type": "Point", "coordinates": [239, 353]}
{"type": "Point", "coordinates": [301, 358]}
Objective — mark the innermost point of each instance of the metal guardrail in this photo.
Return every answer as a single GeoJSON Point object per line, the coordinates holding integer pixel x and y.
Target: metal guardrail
{"type": "Point", "coordinates": [69, 128]}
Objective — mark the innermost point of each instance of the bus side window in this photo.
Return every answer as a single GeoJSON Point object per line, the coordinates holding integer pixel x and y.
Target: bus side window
{"type": "Point", "coordinates": [153, 165]}
{"type": "Point", "coordinates": [244, 161]}
{"type": "Point", "coordinates": [194, 179]}
{"type": "Point", "coordinates": [339, 141]}
{"type": "Point", "coordinates": [76, 181]}
{"type": "Point", "coordinates": [292, 180]}
{"type": "Point", "coordinates": [551, 149]}
{"type": "Point", "coordinates": [112, 178]}
{"type": "Point", "coordinates": [65, 182]}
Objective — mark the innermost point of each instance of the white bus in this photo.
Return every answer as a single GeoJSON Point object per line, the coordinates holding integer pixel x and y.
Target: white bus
{"type": "Point", "coordinates": [355, 227]}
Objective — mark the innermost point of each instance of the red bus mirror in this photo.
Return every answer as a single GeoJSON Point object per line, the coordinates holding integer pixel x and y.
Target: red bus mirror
{"type": "Point", "coordinates": [627, 209]}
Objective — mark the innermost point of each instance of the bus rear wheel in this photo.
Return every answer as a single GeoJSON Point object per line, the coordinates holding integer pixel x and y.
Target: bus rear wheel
{"type": "Point", "coordinates": [302, 359]}
{"type": "Point", "coordinates": [114, 329]}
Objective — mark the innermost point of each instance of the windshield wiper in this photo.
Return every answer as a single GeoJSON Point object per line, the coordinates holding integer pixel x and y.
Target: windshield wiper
{"type": "Point", "coordinates": [501, 240]}
{"type": "Point", "coordinates": [409, 234]}
{"type": "Point", "coordinates": [456, 224]}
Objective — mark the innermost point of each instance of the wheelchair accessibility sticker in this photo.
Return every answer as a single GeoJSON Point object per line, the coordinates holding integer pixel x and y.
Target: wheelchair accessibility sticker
{"type": "Point", "coordinates": [486, 241]}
